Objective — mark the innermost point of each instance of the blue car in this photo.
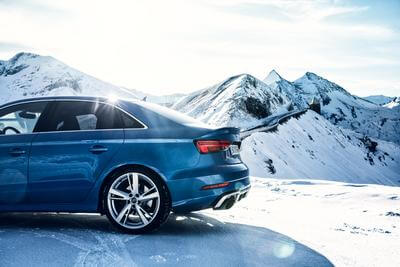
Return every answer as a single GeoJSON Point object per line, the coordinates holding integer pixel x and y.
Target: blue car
{"type": "Point", "coordinates": [133, 161]}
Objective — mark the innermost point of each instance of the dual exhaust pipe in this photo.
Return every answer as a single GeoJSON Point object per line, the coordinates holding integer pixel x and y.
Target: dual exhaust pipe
{"type": "Point", "coordinates": [228, 200]}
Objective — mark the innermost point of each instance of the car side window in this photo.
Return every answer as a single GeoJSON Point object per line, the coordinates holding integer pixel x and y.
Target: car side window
{"type": "Point", "coordinates": [81, 116]}
{"type": "Point", "coordinates": [129, 122]}
{"type": "Point", "coordinates": [20, 119]}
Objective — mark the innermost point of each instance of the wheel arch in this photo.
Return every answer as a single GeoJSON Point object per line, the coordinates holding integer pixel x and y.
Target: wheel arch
{"type": "Point", "coordinates": [121, 169]}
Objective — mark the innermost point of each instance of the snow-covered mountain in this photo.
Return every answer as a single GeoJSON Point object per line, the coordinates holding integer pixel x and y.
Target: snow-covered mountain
{"type": "Point", "coordinates": [241, 100]}
{"type": "Point", "coordinates": [343, 144]}
{"type": "Point", "coordinates": [29, 75]}
{"type": "Point", "coordinates": [379, 99]}
{"type": "Point", "coordinates": [244, 101]}
{"type": "Point", "coordinates": [312, 148]}
{"type": "Point", "coordinates": [340, 107]}
{"type": "Point", "coordinates": [348, 111]}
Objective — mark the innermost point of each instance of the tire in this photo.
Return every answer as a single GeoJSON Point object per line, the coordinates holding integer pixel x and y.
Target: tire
{"type": "Point", "coordinates": [136, 201]}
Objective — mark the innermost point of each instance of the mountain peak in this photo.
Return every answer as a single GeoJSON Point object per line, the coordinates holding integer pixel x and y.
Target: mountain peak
{"type": "Point", "coordinates": [22, 55]}
{"type": "Point", "coordinates": [236, 79]}
{"type": "Point", "coordinates": [272, 77]}
{"type": "Point", "coordinates": [312, 76]}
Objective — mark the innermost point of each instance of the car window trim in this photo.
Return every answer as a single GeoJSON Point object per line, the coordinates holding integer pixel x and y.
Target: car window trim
{"type": "Point", "coordinates": [78, 100]}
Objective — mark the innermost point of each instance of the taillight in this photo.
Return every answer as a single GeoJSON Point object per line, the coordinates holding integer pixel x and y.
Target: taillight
{"type": "Point", "coordinates": [211, 146]}
{"type": "Point", "coordinates": [215, 186]}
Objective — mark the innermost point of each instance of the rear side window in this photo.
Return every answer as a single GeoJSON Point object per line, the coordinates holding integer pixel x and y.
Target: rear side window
{"type": "Point", "coordinates": [85, 115]}
{"type": "Point", "coordinates": [21, 119]}
{"type": "Point", "coordinates": [130, 122]}
{"type": "Point", "coordinates": [81, 115]}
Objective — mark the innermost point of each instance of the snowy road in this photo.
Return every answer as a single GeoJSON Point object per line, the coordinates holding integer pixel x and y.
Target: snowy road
{"type": "Point", "coordinates": [198, 240]}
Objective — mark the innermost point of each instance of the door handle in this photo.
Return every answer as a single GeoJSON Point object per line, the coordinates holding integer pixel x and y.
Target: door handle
{"type": "Point", "coordinates": [16, 152]}
{"type": "Point", "coordinates": [97, 149]}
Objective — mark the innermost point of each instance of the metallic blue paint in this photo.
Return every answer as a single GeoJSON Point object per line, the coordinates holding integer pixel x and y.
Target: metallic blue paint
{"type": "Point", "coordinates": [59, 172]}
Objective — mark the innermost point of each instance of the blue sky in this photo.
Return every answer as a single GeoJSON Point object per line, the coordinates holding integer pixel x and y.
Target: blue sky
{"type": "Point", "coordinates": [180, 45]}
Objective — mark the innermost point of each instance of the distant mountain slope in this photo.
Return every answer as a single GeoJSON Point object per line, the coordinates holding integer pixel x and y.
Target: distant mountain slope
{"type": "Point", "coordinates": [29, 75]}
{"type": "Point", "coordinates": [379, 99]}
{"type": "Point", "coordinates": [311, 147]}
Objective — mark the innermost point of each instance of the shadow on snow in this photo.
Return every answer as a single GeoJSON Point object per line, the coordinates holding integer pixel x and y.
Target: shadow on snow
{"type": "Point", "coordinates": [195, 239]}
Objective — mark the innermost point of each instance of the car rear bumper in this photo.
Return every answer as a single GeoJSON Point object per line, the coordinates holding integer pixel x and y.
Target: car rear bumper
{"type": "Point", "coordinates": [188, 193]}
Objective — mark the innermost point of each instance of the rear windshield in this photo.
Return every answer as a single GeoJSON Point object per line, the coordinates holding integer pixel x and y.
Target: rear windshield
{"type": "Point", "coordinates": [174, 115]}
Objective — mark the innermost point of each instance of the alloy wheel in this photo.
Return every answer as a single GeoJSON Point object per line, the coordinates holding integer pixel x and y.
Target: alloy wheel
{"type": "Point", "coordinates": [133, 200]}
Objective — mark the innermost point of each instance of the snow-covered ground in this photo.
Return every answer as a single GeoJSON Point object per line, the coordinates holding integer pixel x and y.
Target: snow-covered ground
{"type": "Point", "coordinates": [281, 223]}
{"type": "Point", "coordinates": [352, 225]}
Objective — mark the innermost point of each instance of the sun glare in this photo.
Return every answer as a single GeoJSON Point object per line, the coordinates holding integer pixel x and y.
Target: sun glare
{"type": "Point", "coordinates": [112, 98]}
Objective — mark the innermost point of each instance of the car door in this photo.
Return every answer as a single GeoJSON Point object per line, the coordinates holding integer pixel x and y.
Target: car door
{"type": "Point", "coordinates": [71, 149]}
{"type": "Point", "coordinates": [17, 124]}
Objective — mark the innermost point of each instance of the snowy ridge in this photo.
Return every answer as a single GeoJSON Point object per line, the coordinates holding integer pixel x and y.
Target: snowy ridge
{"type": "Point", "coordinates": [273, 77]}
{"type": "Point", "coordinates": [312, 148]}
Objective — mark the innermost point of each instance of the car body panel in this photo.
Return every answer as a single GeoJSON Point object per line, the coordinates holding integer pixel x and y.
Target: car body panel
{"type": "Point", "coordinates": [14, 168]}
{"type": "Point", "coordinates": [62, 168]}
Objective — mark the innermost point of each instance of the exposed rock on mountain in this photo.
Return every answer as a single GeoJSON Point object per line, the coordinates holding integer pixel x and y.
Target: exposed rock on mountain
{"type": "Point", "coordinates": [241, 100]}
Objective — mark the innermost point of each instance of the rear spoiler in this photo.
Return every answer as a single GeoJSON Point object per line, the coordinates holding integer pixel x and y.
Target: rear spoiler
{"type": "Point", "coordinates": [229, 133]}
